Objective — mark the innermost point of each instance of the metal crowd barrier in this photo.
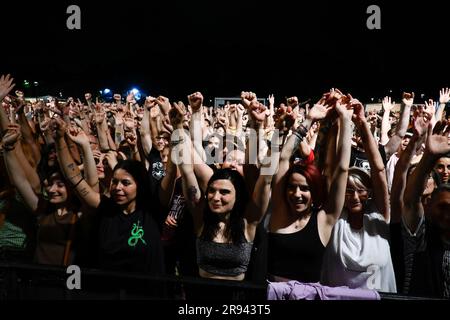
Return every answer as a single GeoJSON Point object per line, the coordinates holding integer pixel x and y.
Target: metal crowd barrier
{"type": "Point", "coordinates": [38, 282]}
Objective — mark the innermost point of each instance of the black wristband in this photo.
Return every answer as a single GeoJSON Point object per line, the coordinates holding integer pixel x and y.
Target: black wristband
{"type": "Point", "coordinates": [76, 185]}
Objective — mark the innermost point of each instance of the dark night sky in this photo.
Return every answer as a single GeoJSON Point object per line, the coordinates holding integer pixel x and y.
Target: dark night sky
{"type": "Point", "coordinates": [222, 47]}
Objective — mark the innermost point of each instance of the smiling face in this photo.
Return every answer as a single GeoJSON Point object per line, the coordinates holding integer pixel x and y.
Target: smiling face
{"type": "Point", "coordinates": [221, 196]}
{"type": "Point", "coordinates": [356, 195]}
{"type": "Point", "coordinates": [57, 191]}
{"type": "Point", "coordinates": [123, 189]}
{"type": "Point", "coordinates": [298, 194]}
{"type": "Point", "coordinates": [161, 141]}
{"type": "Point", "coordinates": [442, 168]}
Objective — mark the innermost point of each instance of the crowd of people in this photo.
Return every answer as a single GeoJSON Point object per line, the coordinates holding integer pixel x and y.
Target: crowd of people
{"type": "Point", "coordinates": [325, 193]}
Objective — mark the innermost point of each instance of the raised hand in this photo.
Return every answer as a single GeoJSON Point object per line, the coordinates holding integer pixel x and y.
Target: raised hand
{"type": "Point", "coordinates": [6, 85]}
{"type": "Point", "coordinates": [11, 136]}
{"type": "Point", "coordinates": [77, 135]}
{"type": "Point", "coordinates": [387, 104]}
{"type": "Point", "coordinates": [59, 128]}
{"type": "Point", "coordinates": [437, 144]}
{"type": "Point", "coordinates": [247, 98]}
{"type": "Point", "coordinates": [420, 125]}
{"type": "Point", "coordinates": [319, 111]}
{"type": "Point", "coordinates": [444, 95]}
{"type": "Point", "coordinates": [343, 110]}
{"type": "Point", "coordinates": [164, 104]}
{"type": "Point", "coordinates": [111, 159]}
{"type": "Point", "coordinates": [358, 110]}
{"type": "Point", "coordinates": [408, 99]}
{"type": "Point", "coordinates": [129, 123]}
{"type": "Point", "coordinates": [257, 112]}
{"type": "Point", "coordinates": [177, 113]}
{"type": "Point", "coordinates": [271, 99]}
{"type": "Point", "coordinates": [150, 102]}
{"type": "Point", "coordinates": [131, 138]}
{"type": "Point", "coordinates": [430, 107]}
{"type": "Point", "coordinates": [195, 101]}
{"type": "Point", "coordinates": [167, 126]}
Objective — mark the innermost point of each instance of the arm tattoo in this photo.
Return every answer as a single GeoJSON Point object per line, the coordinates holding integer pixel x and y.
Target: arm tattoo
{"type": "Point", "coordinates": [297, 142]}
{"type": "Point", "coordinates": [84, 192]}
{"type": "Point", "coordinates": [192, 192]}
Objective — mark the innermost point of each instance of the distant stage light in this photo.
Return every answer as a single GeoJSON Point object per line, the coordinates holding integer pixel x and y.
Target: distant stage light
{"type": "Point", "coordinates": [137, 93]}
{"type": "Point", "coordinates": [106, 91]}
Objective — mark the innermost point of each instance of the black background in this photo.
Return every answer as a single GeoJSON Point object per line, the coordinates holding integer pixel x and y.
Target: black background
{"type": "Point", "coordinates": [222, 47]}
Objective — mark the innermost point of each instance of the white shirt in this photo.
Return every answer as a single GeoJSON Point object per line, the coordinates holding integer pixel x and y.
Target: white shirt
{"type": "Point", "coordinates": [359, 258]}
{"type": "Point", "coordinates": [390, 168]}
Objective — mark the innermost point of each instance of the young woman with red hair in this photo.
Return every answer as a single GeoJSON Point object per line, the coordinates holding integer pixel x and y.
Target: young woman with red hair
{"type": "Point", "coordinates": [301, 222]}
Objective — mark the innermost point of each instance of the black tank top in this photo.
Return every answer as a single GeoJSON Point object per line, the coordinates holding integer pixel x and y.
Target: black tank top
{"type": "Point", "coordinates": [298, 255]}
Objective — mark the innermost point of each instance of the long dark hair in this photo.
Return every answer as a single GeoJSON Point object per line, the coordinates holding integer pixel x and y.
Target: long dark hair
{"type": "Point", "coordinates": [137, 170]}
{"type": "Point", "coordinates": [72, 203]}
{"type": "Point", "coordinates": [234, 229]}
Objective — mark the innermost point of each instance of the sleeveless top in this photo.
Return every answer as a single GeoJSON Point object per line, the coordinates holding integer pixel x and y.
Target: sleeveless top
{"type": "Point", "coordinates": [223, 259]}
{"type": "Point", "coordinates": [360, 259]}
{"type": "Point", "coordinates": [298, 255]}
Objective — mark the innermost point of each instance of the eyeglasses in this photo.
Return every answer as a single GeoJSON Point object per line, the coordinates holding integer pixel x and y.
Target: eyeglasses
{"type": "Point", "coordinates": [360, 192]}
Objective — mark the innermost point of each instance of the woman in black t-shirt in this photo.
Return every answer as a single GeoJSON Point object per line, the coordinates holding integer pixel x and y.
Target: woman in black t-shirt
{"type": "Point", "coordinates": [128, 237]}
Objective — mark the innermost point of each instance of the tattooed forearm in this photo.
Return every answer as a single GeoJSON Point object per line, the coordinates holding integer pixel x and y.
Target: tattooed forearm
{"type": "Point", "coordinates": [192, 192]}
{"type": "Point", "coordinates": [83, 192]}
{"type": "Point", "coordinates": [75, 177]}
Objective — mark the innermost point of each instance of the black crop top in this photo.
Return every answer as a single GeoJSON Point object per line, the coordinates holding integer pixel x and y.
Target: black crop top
{"type": "Point", "coordinates": [298, 255]}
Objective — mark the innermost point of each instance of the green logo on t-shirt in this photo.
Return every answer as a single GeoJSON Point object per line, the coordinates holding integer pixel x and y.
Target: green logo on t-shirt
{"type": "Point", "coordinates": [137, 233]}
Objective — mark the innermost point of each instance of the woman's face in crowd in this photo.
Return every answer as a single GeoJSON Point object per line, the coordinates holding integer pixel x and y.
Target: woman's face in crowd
{"type": "Point", "coordinates": [298, 194]}
{"type": "Point", "coordinates": [51, 160]}
{"type": "Point", "coordinates": [442, 168]}
{"type": "Point", "coordinates": [235, 160]}
{"type": "Point", "coordinates": [57, 191]}
{"type": "Point", "coordinates": [220, 131]}
{"type": "Point", "coordinates": [221, 196]}
{"type": "Point", "coordinates": [355, 196]}
{"type": "Point", "coordinates": [214, 142]}
{"type": "Point", "coordinates": [123, 188]}
{"type": "Point", "coordinates": [405, 142]}
{"type": "Point", "coordinates": [161, 141]}
{"type": "Point", "coordinates": [99, 159]}
{"type": "Point", "coordinates": [440, 210]}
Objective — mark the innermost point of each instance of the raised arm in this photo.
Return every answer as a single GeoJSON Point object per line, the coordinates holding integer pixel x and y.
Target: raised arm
{"type": "Point", "coordinates": [444, 98]}
{"type": "Point", "coordinates": [394, 142]}
{"type": "Point", "coordinates": [6, 85]}
{"type": "Point", "coordinates": [385, 124]}
{"type": "Point", "coordinates": [15, 171]}
{"type": "Point", "coordinates": [146, 138]}
{"type": "Point", "coordinates": [336, 197]}
{"type": "Point", "coordinates": [182, 155]}
{"type": "Point", "coordinates": [401, 169]}
{"type": "Point", "coordinates": [377, 169]}
{"type": "Point", "coordinates": [70, 168]}
{"type": "Point", "coordinates": [436, 146]}
{"type": "Point", "coordinates": [79, 137]}
{"type": "Point", "coordinates": [195, 126]}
